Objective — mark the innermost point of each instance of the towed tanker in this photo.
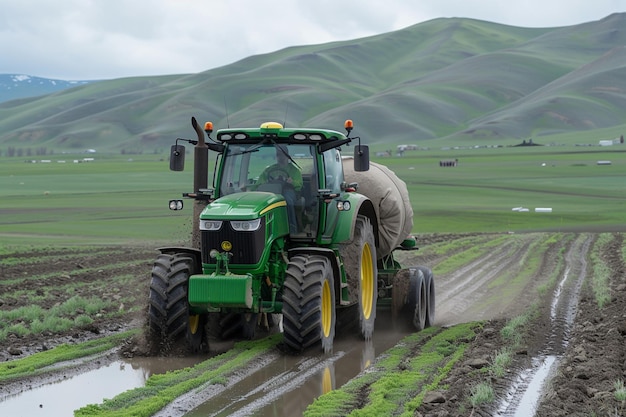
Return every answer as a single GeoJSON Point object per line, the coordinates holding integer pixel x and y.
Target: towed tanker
{"type": "Point", "coordinates": [286, 229]}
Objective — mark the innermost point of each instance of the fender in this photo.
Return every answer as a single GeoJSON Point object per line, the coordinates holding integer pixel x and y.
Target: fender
{"type": "Point", "coordinates": [193, 253]}
{"type": "Point", "coordinates": [328, 253]}
{"type": "Point", "coordinates": [360, 205]}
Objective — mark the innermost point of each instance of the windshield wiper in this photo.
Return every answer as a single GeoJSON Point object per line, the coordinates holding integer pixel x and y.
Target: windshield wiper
{"type": "Point", "coordinates": [287, 155]}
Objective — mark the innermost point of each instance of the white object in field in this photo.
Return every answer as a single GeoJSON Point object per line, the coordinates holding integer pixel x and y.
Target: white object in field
{"type": "Point", "coordinates": [543, 210]}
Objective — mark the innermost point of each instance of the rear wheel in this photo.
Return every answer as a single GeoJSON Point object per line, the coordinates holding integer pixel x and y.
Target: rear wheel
{"type": "Point", "coordinates": [309, 303]}
{"type": "Point", "coordinates": [429, 285]}
{"type": "Point", "coordinates": [368, 277]}
{"type": "Point", "coordinates": [359, 258]}
{"type": "Point", "coordinates": [168, 313]}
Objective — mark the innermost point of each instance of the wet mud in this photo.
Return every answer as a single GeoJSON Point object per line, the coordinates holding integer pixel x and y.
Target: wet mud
{"type": "Point", "coordinates": [569, 363]}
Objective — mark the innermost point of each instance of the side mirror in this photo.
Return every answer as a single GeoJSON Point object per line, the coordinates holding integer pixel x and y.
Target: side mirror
{"type": "Point", "coordinates": [177, 158]}
{"type": "Point", "coordinates": [361, 158]}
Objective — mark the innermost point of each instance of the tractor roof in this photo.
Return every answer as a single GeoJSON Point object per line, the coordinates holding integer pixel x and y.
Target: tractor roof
{"type": "Point", "coordinates": [276, 131]}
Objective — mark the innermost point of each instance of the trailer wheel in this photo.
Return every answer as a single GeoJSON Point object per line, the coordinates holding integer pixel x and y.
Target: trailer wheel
{"type": "Point", "coordinates": [417, 300]}
{"type": "Point", "coordinates": [168, 312]}
{"type": "Point", "coordinates": [429, 285]}
{"type": "Point", "coordinates": [309, 303]}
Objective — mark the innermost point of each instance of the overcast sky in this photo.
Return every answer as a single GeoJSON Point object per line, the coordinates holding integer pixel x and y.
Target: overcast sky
{"type": "Point", "coordinates": [100, 39]}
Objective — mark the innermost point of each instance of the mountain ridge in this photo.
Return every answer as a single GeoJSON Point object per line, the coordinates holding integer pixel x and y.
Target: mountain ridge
{"type": "Point", "coordinates": [445, 78]}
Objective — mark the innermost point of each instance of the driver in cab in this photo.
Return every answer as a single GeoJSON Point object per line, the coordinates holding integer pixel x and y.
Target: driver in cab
{"type": "Point", "coordinates": [287, 174]}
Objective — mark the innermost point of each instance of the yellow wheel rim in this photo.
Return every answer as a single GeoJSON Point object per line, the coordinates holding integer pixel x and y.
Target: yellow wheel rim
{"type": "Point", "coordinates": [194, 323]}
{"type": "Point", "coordinates": [367, 281]}
{"type": "Point", "coordinates": [327, 381]}
{"type": "Point", "coordinates": [327, 310]}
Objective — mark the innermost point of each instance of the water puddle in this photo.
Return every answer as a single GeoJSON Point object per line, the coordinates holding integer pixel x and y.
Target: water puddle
{"type": "Point", "coordinates": [525, 393]}
{"type": "Point", "coordinates": [288, 385]}
{"type": "Point", "coordinates": [61, 398]}
{"type": "Point", "coordinates": [528, 402]}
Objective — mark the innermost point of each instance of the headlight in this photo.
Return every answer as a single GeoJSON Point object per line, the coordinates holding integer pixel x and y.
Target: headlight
{"type": "Point", "coordinates": [211, 225]}
{"type": "Point", "coordinates": [343, 205]}
{"type": "Point", "coordinates": [176, 204]}
{"type": "Point", "coordinates": [246, 225]}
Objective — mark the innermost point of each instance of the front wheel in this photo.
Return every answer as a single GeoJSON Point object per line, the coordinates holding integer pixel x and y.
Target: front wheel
{"type": "Point", "coordinates": [309, 315]}
{"type": "Point", "coordinates": [168, 312]}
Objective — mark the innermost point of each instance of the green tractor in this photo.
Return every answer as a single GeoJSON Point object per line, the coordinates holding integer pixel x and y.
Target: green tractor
{"type": "Point", "coordinates": [280, 233]}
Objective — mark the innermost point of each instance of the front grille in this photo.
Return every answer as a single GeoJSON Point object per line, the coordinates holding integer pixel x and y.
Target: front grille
{"type": "Point", "coordinates": [247, 247]}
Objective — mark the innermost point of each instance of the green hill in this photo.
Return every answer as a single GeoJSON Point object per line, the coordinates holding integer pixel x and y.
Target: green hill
{"type": "Point", "coordinates": [460, 79]}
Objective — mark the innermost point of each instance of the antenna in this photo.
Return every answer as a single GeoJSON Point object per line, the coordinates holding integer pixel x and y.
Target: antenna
{"type": "Point", "coordinates": [285, 119]}
{"type": "Point", "coordinates": [226, 108]}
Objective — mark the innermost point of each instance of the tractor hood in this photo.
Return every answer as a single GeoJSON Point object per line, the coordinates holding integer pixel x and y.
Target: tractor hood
{"type": "Point", "coordinates": [242, 206]}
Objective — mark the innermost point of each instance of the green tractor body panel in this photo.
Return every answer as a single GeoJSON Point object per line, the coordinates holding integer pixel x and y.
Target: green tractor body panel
{"type": "Point", "coordinates": [242, 206]}
{"type": "Point", "coordinates": [340, 223]}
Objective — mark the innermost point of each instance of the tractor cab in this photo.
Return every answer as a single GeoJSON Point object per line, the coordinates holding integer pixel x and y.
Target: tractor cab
{"type": "Point", "coordinates": [287, 169]}
{"type": "Point", "coordinates": [302, 165]}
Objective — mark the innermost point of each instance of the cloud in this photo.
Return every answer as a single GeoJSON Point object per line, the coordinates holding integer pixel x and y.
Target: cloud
{"type": "Point", "coordinates": [95, 39]}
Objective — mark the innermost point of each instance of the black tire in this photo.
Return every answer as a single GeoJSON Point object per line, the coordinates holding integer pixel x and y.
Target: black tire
{"type": "Point", "coordinates": [168, 312]}
{"type": "Point", "coordinates": [416, 304]}
{"type": "Point", "coordinates": [359, 258]}
{"type": "Point", "coordinates": [368, 276]}
{"type": "Point", "coordinates": [196, 332]}
{"type": "Point", "coordinates": [429, 285]}
{"type": "Point", "coordinates": [309, 314]}
{"type": "Point", "coordinates": [249, 322]}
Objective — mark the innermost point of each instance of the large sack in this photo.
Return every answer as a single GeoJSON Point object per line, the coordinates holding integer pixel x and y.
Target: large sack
{"type": "Point", "coordinates": [391, 202]}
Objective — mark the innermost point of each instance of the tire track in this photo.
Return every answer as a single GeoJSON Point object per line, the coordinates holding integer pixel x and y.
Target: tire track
{"type": "Point", "coordinates": [467, 289]}
{"type": "Point", "coordinates": [526, 389]}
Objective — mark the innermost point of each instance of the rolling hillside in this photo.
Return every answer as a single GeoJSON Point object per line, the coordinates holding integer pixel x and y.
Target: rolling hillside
{"type": "Point", "coordinates": [445, 78]}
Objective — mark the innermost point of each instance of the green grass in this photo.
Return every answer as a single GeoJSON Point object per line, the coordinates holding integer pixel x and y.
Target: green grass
{"type": "Point", "coordinates": [620, 390]}
{"type": "Point", "coordinates": [113, 200]}
{"type": "Point", "coordinates": [105, 201]}
{"type": "Point", "coordinates": [38, 363]}
{"type": "Point", "coordinates": [397, 383]}
{"type": "Point", "coordinates": [601, 271]}
{"type": "Point", "coordinates": [33, 319]}
{"type": "Point", "coordinates": [479, 194]}
{"type": "Point", "coordinates": [501, 360]}
{"type": "Point", "coordinates": [482, 393]}
{"type": "Point", "coordinates": [161, 389]}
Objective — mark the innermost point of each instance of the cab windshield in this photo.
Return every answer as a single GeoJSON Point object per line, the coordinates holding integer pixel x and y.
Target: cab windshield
{"type": "Point", "coordinates": [243, 165]}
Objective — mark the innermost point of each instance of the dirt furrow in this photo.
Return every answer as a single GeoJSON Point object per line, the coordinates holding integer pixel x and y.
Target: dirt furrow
{"type": "Point", "coordinates": [463, 289]}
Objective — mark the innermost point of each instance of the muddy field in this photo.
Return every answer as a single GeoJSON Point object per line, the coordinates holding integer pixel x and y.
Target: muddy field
{"type": "Point", "coordinates": [589, 344]}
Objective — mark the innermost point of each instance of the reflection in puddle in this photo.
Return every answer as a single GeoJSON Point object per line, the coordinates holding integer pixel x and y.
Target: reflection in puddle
{"type": "Point", "coordinates": [288, 385]}
{"type": "Point", "coordinates": [61, 398]}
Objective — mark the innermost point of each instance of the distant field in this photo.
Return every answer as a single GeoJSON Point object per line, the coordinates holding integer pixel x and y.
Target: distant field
{"type": "Point", "coordinates": [105, 201]}
{"type": "Point", "coordinates": [116, 200]}
{"type": "Point", "coordinates": [480, 193]}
